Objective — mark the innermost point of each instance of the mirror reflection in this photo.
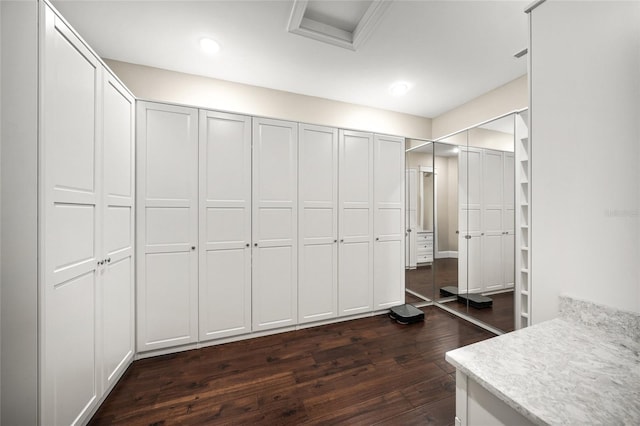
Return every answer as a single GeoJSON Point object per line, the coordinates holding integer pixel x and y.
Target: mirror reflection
{"type": "Point", "coordinates": [461, 222]}
{"type": "Point", "coordinates": [420, 185]}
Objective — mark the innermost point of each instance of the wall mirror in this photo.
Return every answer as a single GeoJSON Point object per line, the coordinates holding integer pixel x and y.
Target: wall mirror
{"type": "Point", "coordinates": [460, 239]}
{"type": "Point", "coordinates": [419, 221]}
{"type": "Point", "coordinates": [489, 215]}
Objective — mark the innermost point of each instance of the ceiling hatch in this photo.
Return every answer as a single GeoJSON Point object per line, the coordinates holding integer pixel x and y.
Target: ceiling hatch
{"type": "Point", "coordinates": [343, 23]}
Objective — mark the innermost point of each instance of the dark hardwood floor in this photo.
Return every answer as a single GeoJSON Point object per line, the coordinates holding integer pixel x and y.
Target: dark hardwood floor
{"type": "Point", "coordinates": [366, 371]}
{"type": "Point", "coordinates": [429, 279]}
{"type": "Point", "coordinates": [500, 315]}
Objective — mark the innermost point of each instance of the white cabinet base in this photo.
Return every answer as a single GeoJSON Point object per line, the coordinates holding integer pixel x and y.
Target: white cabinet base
{"type": "Point", "coordinates": [475, 405]}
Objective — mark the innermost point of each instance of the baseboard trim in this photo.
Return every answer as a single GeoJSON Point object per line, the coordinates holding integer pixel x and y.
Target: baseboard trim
{"type": "Point", "coordinates": [447, 254]}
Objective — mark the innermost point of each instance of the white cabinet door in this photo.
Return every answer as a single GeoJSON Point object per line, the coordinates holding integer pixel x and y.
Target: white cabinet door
{"type": "Point", "coordinates": [318, 223]}
{"type": "Point", "coordinates": [225, 225]}
{"type": "Point", "coordinates": [274, 229]}
{"type": "Point", "coordinates": [492, 220]}
{"type": "Point", "coordinates": [167, 225]}
{"type": "Point", "coordinates": [469, 219]}
{"type": "Point", "coordinates": [508, 240]}
{"type": "Point", "coordinates": [117, 283]}
{"type": "Point", "coordinates": [70, 207]}
{"type": "Point", "coordinates": [355, 222]}
{"type": "Point", "coordinates": [388, 196]}
{"type": "Point", "coordinates": [411, 220]}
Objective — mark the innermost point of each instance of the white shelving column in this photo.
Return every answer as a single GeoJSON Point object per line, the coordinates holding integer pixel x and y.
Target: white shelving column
{"type": "Point", "coordinates": [523, 222]}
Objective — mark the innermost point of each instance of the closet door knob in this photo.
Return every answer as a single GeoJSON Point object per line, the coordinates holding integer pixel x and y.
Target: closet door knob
{"type": "Point", "coordinates": [335, 241]}
{"type": "Point", "coordinates": [255, 244]}
{"type": "Point", "coordinates": [193, 247]}
{"type": "Point", "coordinates": [378, 239]}
{"type": "Point", "coordinates": [248, 245]}
{"type": "Point", "coordinates": [342, 240]}
{"type": "Point", "coordinates": [109, 260]}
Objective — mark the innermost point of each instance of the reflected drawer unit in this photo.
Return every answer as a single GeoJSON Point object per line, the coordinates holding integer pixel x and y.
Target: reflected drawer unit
{"type": "Point", "coordinates": [424, 246]}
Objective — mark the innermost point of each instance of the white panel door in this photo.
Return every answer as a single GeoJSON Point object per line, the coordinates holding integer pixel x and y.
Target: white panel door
{"type": "Point", "coordinates": [508, 222]}
{"type": "Point", "coordinates": [411, 220]}
{"type": "Point", "coordinates": [274, 228]}
{"type": "Point", "coordinates": [492, 220]}
{"type": "Point", "coordinates": [470, 220]}
{"type": "Point", "coordinates": [318, 223]}
{"type": "Point", "coordinates": [117, 283]}
{"type": "Point", "coordinates": [167, 226]}
{"type": "Point", "coordinates": [70, 206]}
{"type": "Point", "coordinates": [388, 197]}
{"type": "Point", "coordinates": [355, 222]}
{"type": "Point", "coordinates": [225, 225]}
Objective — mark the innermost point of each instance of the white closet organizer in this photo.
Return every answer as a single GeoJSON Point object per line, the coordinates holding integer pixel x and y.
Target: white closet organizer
{"type": "Point", "coordinates": [424, 246]}
{"type": "Point", "coordinates": [349, 206]}
{"type": "Point", "coordinates": [275, 224]}
{"type": "Point", "coordinates": [486, 220]}
{"type": "Point", "coordinates": [388, 226]}
{"type": "Point", "coordinates": [318, 223]}
{"type": "Point", "coordinates": [167, 226]}
{"type": "Point", "coordinates": [297, 224]}
{"type": "Point", "coordinates": [80, 146]}
{"type": "Point", "coordinates": [225, 225]}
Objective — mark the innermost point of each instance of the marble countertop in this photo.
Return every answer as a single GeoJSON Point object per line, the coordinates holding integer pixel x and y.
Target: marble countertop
{"type": "Point", "coordinates": [580, 368]}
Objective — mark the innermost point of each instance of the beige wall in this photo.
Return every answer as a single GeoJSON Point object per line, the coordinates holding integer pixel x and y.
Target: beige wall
{"type": "Point", "coordinates": [509, 97]}
{"type": "Point", "coordinates": [160, 85]}
{"type": "Point", "coordinates": [452, 203]}
{"type": "Point", "coordinates": [491, 139]}
{"type": "Point", "coordinates": [447, 193]}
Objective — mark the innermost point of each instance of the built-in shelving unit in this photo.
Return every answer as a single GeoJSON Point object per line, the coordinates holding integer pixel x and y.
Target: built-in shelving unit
{"type": "Point", "coordinates": [523, 220]}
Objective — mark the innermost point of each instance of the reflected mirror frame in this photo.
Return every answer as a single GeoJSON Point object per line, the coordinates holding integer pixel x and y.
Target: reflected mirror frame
{"type": "Point", "coordinates": [469, 143]}
{"type": "Point", "coordinates": [419, 281]}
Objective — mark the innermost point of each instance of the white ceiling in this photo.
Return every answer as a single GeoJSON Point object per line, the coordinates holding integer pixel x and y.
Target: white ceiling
{"type": "Point", "coordinates": [449, 51]}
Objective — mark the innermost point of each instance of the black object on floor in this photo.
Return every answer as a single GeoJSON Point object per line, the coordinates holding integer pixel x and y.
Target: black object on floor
{"type": "Point", "coordinates": [477, 301]}
{"type": "Point", "coordinates": [449, 290]}
{"type": "Point", "coordinates": [406, 314]}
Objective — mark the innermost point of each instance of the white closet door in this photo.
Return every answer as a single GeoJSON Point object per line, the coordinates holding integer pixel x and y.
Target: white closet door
{"type": "Point", "coordinates": [225, 225]}
{"type": "Point", "coordinates": [274, 229]}
{"type": "Point", "coordinates": [492, 220]}
{"type": "Point", "coordinates": [470, 220]}
{"type": "Point", "coordinates": [117, 284]}
{"type": "Point", "coordinates": [318, 223]}
{"type": "Point", "coordinates": [355, 222]}
{"type": "Point", "coordinates": [167, 222]}
{"type": "Point", "coordinates": [70, 242]}
{"type": "Point", "coordinates": [508, 239]}
{"type": "Point", "coordinates": [411, 220]}
{"type": "Point", "coordinates": [388, 195]}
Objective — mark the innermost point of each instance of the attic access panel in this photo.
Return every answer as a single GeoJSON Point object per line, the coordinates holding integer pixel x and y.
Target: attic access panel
{"type": "Point", "coordinates": [346, 24]}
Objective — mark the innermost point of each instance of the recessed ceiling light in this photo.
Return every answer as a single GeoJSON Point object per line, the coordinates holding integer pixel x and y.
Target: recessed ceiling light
{"type": "Point", "coordinates": [399, 88]}
{"type": "Point", "coordinates": [209, 45]}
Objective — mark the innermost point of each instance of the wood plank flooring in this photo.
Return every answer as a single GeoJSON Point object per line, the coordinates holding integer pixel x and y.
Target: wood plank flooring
{"type": "Point", "coordinates": [366, 371]}
{"type": "Point", "coordinates": [500, 315]}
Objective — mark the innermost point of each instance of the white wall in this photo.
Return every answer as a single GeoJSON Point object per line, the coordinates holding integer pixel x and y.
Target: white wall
{"type": "Point", "coordinates": [585, 135]}
{"type": "Point", "coordinates": [509, 97]}
{"type": "Point", "coordinates": [173, 87]}
{"type": "Point", "coordinates": [0, 217]}
{"type": "Point", "coordinates": [18, 192]}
